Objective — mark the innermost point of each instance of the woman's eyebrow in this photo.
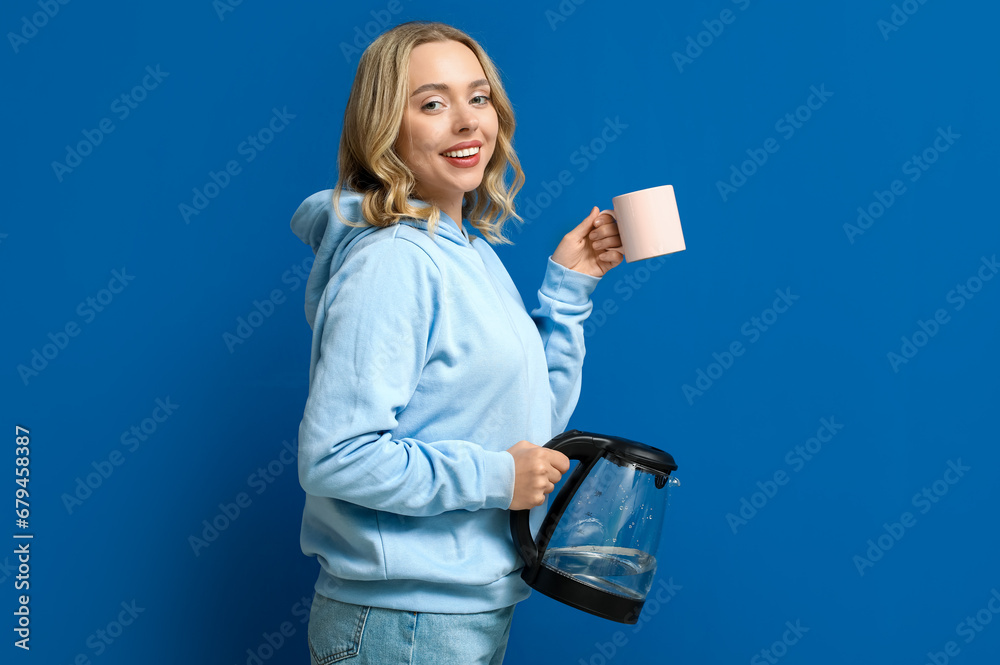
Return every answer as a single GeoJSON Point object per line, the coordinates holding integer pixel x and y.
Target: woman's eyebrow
{"type": "Point", "coordinates": [442, 86]}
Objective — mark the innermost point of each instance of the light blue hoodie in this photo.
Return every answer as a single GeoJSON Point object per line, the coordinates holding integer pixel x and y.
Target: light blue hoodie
{"type": "Point", "coordinates": [425, 368]}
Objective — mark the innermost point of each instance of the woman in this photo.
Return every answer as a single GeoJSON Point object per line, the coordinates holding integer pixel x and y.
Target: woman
{"type": "Point", "coordinates": [429, 383]}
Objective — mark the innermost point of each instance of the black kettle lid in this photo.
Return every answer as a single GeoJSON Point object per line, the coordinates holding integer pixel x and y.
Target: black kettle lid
{"type": "Point", "coordinates": [635, 452]}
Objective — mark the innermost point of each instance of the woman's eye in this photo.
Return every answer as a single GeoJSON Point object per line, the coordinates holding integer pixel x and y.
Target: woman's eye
{"type": "Point", "coordinates": [484, 100]}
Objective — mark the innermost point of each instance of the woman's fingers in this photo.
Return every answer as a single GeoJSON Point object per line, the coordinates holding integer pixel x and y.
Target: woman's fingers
{"type": "Point", "coordinates": [588, 222]}
{"type": "Point", "coordinates": [605, 236]}
{"type": "Point", "coordinates": [605, 216]}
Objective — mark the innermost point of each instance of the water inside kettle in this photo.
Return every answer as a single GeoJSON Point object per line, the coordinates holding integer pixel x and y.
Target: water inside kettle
{"type": "Point", "coordinates": [623, 571]}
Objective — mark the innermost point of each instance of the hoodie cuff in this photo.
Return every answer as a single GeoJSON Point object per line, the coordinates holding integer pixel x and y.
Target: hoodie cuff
{"type": "Point", "coordinates": [566, 285]}
{"type": "Point", "coordinates": [499, 485]}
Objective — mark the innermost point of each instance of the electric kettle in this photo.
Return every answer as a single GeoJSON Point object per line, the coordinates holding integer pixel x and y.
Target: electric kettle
{"type": "Point", "coordinates": [596, 547]}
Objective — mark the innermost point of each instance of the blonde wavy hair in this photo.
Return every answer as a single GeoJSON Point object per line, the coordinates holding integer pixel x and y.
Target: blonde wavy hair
{"type": "Point", "coordinates": [368, 162]}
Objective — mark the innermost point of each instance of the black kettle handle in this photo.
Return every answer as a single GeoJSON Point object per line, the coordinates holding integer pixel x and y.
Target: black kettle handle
{"type": "Point", "coordinates": [574, 444]}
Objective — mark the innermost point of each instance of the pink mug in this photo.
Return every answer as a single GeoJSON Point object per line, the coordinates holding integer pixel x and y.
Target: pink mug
{"type": "Point", "coordinates": [648, 223]}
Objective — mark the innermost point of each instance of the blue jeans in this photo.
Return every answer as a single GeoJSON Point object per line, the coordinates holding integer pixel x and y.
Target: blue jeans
{"type": "Point", "coordinates": [365, 635]}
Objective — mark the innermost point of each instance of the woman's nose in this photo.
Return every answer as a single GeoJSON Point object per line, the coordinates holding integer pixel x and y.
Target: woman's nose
{"type": "Point", "coordinates": [466, 119]}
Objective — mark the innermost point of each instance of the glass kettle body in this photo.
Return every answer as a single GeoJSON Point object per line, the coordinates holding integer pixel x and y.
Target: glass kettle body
{"type": "Point", "coordinates": [596, 547]}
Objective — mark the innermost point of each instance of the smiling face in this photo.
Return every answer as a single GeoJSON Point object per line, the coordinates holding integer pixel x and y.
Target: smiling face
{"type": "Point", "coordinates": [448, 105]}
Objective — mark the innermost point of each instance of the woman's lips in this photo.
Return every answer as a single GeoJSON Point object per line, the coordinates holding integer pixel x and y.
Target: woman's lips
{"type": "Point", "coordinates": [464, 162]}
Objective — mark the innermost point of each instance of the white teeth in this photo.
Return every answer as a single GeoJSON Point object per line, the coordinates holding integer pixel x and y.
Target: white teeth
{"type": "Point", "coordinates": [468, 152]}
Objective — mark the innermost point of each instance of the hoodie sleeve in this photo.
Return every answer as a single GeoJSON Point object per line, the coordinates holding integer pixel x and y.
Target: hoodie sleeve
{"type": "Point", "coordinates": [564, 304]}
{"type": "Point", "coordinates": [370, 347]}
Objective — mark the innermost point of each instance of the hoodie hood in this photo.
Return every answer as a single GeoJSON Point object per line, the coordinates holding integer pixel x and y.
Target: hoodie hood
{"type": "Point", "coordinates": [330, 239]}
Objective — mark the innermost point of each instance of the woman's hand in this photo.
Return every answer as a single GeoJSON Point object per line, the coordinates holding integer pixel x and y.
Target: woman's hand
{"type": "Point", "coordinates": [594, 247]}
{"type": "Point", "coordinates": [536, 471]}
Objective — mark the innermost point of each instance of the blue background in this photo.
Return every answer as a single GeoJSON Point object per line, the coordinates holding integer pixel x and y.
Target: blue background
{"type": "Point", "coordinates": [735, 585]}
